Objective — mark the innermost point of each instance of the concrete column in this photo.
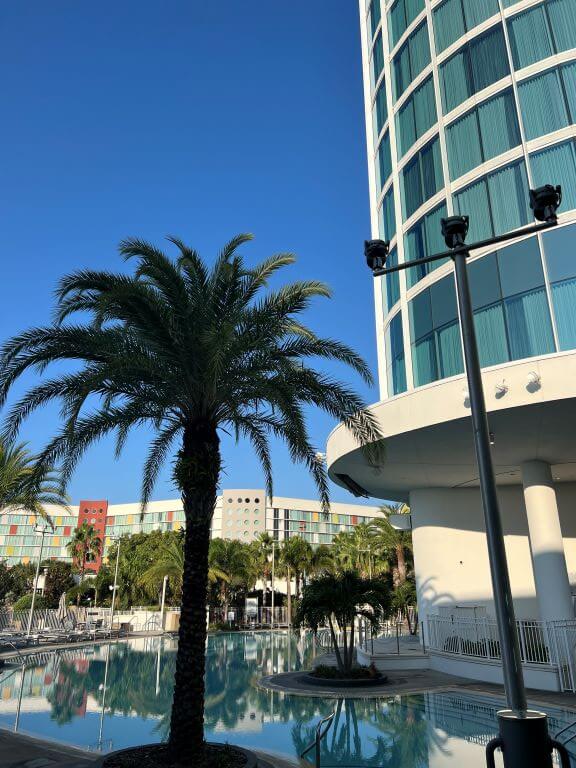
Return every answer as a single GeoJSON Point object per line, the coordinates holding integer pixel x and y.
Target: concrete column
{"type": "Point", "coordinates": [546, 544]}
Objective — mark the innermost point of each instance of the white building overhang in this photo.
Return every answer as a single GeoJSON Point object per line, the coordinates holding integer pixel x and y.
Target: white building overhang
{"type": "Point", "coordinates": [428, 432]}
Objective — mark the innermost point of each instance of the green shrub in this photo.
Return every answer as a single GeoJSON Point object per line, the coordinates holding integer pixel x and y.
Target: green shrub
{"type": "Point", "coordinates": [24, 603]}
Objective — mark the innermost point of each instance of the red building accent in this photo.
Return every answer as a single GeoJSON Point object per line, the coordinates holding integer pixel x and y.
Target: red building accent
{"type": "Point", "coordinates": [13, 530]}
{"type": "Point", "coordinates": [94, 513]}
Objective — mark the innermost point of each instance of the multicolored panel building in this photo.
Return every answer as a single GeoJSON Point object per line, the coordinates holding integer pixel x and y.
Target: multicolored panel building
{"type": "Point", "coordinates": [239, 514]}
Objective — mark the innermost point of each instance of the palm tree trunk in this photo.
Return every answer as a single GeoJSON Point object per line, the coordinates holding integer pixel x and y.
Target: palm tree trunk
{"type": "Point", "coordinates": [196, 472]}
{"type": "Point", "coordinates": [400, 564]}
{"type": "Point", "coordinates": [335, 644]}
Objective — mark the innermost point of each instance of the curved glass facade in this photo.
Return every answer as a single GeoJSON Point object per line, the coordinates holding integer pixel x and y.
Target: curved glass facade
{"type": "Point", "coordinates": [472, 102]}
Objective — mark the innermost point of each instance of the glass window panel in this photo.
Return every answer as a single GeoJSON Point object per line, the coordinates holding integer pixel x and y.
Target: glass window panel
{"type": "Point", "coordinates": [557, 165]}
{"type": "Point", "coordinates": [520, 267]}
{"type": "Point", "coordinates": [569, 80]}
{"type": "Point", "coordinates": [377, 59]}
{"type": "Point", "coordinates": [431, 161]}
{"type": "Point", "coordinates": [542, 104]}
{"type": "Point", "coordinates": [374, 15]}
{"type": "Point", "coordinates": [414, 249]}
{"type": "Point", "coordinates": [530, 38]}
{"type": "Point", "coordinates": [398, 375]}
{"type": "Point", "coordinates": [455, 80]}
{"type": "Point", "coordinates": [401, 67]}
{"type": "Point", "coordinates": [491, 335]}
{"type": "Point", "coordinates": [396, 340]}
{"type": "Point", "coordinates": [448, 24]}
{"type": "Point", "coordinates": [391, 283]}
{"type": "Point", "coordinates": [433, 232]}
{"type": "Point", "coordinates": [411, 187]}
{"type": "Point", "coordinates": [529, 325]}
{"type": "Point", "coordinates": [387, 216]}
{"type": "Point", "coordinates": [473, 202]}
{"type": "Point", "coordinates": [564, 300]}
{"type": "Point", "coordinates": [384, 160]}
{"type": "Point", "coordinates": [424, 361]}
{"type": "Point", "coordinates": [443, 302]}
{"type": "Point", "coordinates": [477, 11]}
{"type": "Point", "coordinates": [508, 191]}
{"type": "Point", "coordinates": [499, 127]}
{"type": "Point", "coordinates": [396, 369]}
{"type": "Point", "coordinates": [406, 128]}
{"type": "Point", "coordinates": [562, 14]}
{"type": "Point", "coordinates": [397, 22]}
{"type": "Point", "coordinates": [450, 360]}
{"type": "Point", "coordinates": [420, 313]}
{"type": "Point", "coordinates": [419, 50]}
{"type": "Point", "coordinates": [413, 8]}
{"type": "Point", "coordinates": [488, 59]}
{"type": "Point", "coordinates": [559, 250]}
{"type": "Point", "coordinates": [380, 110]}
{"type": "Point", "coordinates": [424, 107]}
{"type": "Point", "coordinates": [463, 143]}
{"type": "Point", "coordinates": [484, 281]}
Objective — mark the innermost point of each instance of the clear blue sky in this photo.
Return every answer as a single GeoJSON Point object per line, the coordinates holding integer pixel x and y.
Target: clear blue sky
{"type": "Point", "coordinates": [191, 117]}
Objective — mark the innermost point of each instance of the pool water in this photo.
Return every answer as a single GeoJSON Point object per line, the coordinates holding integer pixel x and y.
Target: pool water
{"type": "Point", "coordinates": [108, 697]}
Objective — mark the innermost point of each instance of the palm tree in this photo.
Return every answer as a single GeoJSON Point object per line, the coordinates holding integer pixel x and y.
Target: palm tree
{"type": "Point", "coordinates": [24, 484]}
{"type": "Point", "coordinates": [295, 557]}
{"type": "Point", "coordinates": [359, 550]}
{"type": "Point", "coordinates": [84, 546]}
{"type": "Point", "coordinates": [336, 601]}
{"type": "Point", "coordinates": [397, 542]}
{"type": "Point", "coordinates": [187, 350]}
{"type": "Point", "coordinates": [230, 557]}
{"type": "Point", "coordinates": [261, 550]}
{"type": "Point", "coordinates": [170, 563]}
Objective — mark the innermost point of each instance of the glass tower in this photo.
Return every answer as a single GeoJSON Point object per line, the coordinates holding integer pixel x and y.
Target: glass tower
{"type": "Point", "coordinates": [469, 103]}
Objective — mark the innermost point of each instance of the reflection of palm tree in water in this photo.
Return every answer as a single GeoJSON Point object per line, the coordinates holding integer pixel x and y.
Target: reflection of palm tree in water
{"type": "Point", "coordinates": [404, 743]}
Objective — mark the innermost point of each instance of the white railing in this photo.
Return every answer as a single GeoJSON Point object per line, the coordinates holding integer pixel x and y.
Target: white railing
{"type": "Point", "coordinates": [478, 638]}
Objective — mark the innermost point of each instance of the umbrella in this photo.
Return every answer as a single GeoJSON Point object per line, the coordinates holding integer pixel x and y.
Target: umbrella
{"type": "Point", "coordinates": [62, 613]}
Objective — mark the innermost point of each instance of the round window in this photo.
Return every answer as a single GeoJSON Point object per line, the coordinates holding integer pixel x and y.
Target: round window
{"type": "Point", "coordinates": [256, 501]}
{"type": "Point", "coordinates": [229, 523]}
{"type": "Point", "coordinates": [256, 511]}
{"type": "Point", "coordinates": [230, 501]}
{"type": "Point", "coordinates": [246, 534]}
{"type": "Point", "coordinates": [247, 501]}
{"type": "Point", "coordinates": [246, 522]}
{"type": "Point", "coordinates": [246, 511]}
{"type": "Point", "coordinates": [239, 500]}
{"type": "Point", "coordinates": [256, 522]}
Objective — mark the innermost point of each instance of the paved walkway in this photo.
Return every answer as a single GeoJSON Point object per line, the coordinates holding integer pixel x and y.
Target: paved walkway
{"type": "Point", "coordinates": [20, 751]}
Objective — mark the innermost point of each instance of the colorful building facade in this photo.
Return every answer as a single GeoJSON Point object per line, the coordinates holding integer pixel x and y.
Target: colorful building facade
{"type": "Point", "coordinates": [239, 514]}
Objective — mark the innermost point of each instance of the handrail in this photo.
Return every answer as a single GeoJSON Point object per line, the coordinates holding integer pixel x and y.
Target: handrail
{"type": "Point", "coordinates": [319, 736]}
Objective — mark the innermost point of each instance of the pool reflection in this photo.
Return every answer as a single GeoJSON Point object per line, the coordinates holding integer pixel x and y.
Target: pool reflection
{"type": "Point", "coordinates": [108, 697]}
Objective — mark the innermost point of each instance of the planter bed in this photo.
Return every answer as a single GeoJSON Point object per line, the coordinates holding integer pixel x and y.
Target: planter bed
{"type": "Point", "coordinates": [339, 682]}
{"type": "Point", "coordinates": [156, 756]}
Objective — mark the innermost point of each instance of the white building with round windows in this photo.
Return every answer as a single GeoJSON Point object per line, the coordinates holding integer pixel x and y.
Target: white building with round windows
{"type": "Point", "coordinates": [469, 103]}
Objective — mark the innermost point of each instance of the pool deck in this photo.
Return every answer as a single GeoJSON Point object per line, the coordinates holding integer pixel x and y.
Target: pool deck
{"type": "Point", "coordinates": [17, 750]}
{"type": "Point", "coordinates": [410, 681]}
{"type": "Point", "coordinates": [33, 650]}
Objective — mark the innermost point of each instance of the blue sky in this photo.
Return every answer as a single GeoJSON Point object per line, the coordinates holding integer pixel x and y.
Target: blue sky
{"type": "Point", "coordinates": [193, 118]}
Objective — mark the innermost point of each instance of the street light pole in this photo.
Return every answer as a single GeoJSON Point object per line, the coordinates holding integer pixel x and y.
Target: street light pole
{"type": "Point", "coordinates": [115, 587]}
{"type": "Point", "coordinates": [273, 566]}
{"type": "Point", "coordinates": [524, 738]}
{"type": "Point", "coordinates": [31, 614]}
{"type": "Point", "coordinates": [163, 604]}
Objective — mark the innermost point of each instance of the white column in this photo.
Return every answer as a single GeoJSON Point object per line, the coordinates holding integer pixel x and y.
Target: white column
{"type": "Point", "coordinates": [546, 544]}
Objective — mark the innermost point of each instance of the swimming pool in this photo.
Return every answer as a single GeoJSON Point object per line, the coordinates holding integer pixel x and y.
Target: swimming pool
{"type": "Point", "coordinates": [108, 697]}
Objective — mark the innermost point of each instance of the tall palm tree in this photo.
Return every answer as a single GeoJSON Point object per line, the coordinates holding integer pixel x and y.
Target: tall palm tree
{"type": "Point", "coordinates": [84, 546]}
{"type": "Point", "coordinates": [360, 550]}
{"type": "Point", "coordinates": [261, 550]}
{"type": "Point", "coordinates": [295, 558]}
{"type": "Point", "coordinates": [231, 557]}
{"type": "Point", "coordinates": [187, 350]}
{"type": "Point", "coordinates": [398, 543]}
{"type": "Point", "coordinates": [24, 484]}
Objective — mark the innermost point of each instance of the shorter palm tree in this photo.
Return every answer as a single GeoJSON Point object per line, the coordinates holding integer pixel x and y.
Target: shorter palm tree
{"type": "Point", "coordinates": [337, 601]}
{"type": "Point", "coordinates": [85, 545]}
{"type": "Point", "coordinates": [232, 558]}
{"type": "Point", "coordinates": [170, 563]}
{"type": "Point", "coordinates": [397, 543]}
{"type": "Point", "coordinates": [295, 559]}
{"type": "Point", "coordinates": [26, 485]}
{"type": "Point", "coordinates": [404, 601]}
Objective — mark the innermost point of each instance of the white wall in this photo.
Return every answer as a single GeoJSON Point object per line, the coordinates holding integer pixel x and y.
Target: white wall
{"type": "Point", "coordinates": [450, 549]}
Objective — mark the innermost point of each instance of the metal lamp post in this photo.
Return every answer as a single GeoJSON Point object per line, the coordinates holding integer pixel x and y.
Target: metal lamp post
{"type": "Point", "coordinates": [524, 738]}
{"type": "Point", "coordinates": [115, 587]}
{"type": "Point", "coordinates": [273, 585]}
{"type": "Point", "coordinates": [163, 603]}
{"type": "Point", "coordinates": [42, 530]}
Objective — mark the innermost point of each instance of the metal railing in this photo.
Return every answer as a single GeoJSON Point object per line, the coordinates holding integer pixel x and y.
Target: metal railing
{"type": "Point", "coordinates": [320, 733]}
{"type": "Point", "coordinates": [479, 638]}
